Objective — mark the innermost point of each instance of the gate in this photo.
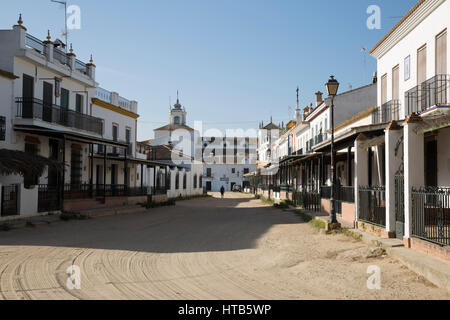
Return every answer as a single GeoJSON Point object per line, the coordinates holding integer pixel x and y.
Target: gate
{"type": "Point", "coordinates": [399, 206]}
{"type": "Point", "coordinates": [9, 198]}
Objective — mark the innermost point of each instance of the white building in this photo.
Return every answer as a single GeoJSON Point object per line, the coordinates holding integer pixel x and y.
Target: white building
{"type": "Point", "coordinates": [414, 88]}
{"type": "Point", "coordinates": [226, 161]}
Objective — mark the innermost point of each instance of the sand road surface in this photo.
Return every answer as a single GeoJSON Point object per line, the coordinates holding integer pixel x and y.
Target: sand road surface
{"type": "Point", "coordinates": [236, 248]}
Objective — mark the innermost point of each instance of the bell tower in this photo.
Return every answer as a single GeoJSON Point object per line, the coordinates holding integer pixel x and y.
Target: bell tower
{"type": "Point", "coordinates": [178, 114]}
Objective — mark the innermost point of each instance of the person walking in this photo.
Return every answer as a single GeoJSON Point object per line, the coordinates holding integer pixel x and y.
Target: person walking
{"type": "Point", "coordinates": [222, 191]}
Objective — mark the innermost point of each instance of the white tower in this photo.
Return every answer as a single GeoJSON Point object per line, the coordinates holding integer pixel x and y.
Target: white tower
{"type": "Point", "coordinates": [177, 114]}
{"type": "Point", "coordinates": [298, 117]}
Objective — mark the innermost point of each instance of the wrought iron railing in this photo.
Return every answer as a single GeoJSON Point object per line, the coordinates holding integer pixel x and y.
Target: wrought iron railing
{"type": "Point", "coordinates": [88, 191]}
{"type": "Point", "coordinates": [48, 198]}
{"type": "Point", "coordinates": [431, 215]}
{"type": "Point", "coordinates": [387, 112]}
{"type": "Point", "coordinates": [433, 92]}
{"type": "Point", "coordinates": [31, 108]}
{"type": "Point", "coordinates": [2, 128]}
{"type": "Point", "coordinates": [9, 198]}
{"type": "Point", "coordinates": [372, 205]}
{"type": "Point", "coordinates": [308, 200]}
{"type": "Point", "coordinates": [34, 43]}
{"type": "Point", "coordinates": [161, 190]}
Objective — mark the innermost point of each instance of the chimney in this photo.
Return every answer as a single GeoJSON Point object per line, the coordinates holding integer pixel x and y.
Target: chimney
{"type": "Point", "coordinates": [319, 98]}
{"type": "Point", "coordinates": [306, 112]}
{"type": "Point", "coordinates": [375, 78]}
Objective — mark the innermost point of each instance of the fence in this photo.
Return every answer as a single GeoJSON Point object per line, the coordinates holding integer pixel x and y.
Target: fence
{"type": "Point", "coordinates": [372, 205]}
{"type": "Point", "coordinates": [48, 198]}
{"type": "Point", "coordinates": [308, 200]}
{"type": "Point", "coordinates": [9, 198]}
{"type": "Point", "coordinates": [431, 215]}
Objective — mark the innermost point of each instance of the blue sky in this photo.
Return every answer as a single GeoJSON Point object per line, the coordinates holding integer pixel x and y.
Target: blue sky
{"type": "Point", "coordinates": [235, 62]}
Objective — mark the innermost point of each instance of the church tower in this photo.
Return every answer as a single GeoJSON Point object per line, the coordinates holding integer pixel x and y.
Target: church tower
{"type": "Point", "coordinates": [178, 114]}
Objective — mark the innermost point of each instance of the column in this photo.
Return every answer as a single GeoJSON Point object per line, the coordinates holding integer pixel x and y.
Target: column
{"type": "Point", "coordinates": [393, 135]}
{"type": "Point", "coordinates": [414, 168]}
{"type": "Point", "coordinates": [361, 170]}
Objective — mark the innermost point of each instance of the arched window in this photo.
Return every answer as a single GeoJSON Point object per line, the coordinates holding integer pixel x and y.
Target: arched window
{"type": "Point", "coordinates": [177, 181]}
{"type": "Point", "coordinates": [176, 120]}
{"type": "Point", "coordinates": [184, 181]}
{"type": "Point", "coordinates": [195, 181]}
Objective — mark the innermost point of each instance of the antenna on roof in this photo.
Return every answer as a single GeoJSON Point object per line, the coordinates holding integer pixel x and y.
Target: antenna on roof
{"type": "Point", "coordinates": [364, 51]}
{"type": "Point", "coordinates": [66, 34]}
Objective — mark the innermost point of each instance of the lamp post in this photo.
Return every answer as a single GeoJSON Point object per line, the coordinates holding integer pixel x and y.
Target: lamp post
{"type": "Point", "coordinates": [332, 88]}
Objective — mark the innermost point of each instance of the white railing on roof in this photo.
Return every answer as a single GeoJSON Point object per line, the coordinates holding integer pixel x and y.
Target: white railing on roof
{"type": "Point", "coordinates": [123, 103]}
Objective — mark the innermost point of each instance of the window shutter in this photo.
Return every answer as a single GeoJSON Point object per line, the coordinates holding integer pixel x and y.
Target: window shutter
{"type": "Point", "coordinates": [422, 65]}
{"type": "Point", "coordinates": [441, 53]}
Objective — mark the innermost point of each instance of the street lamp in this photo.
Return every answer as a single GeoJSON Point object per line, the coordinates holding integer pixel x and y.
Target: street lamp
{"type": "Point", "coordinates": [332, 88]}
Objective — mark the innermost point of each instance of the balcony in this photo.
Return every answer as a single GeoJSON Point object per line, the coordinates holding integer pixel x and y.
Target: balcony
{"type": "Point", "coordinates": [387, 112]}
{"type": "Point", "coordinates": [31, 108]}
{"type": "Point", "coordinates": [114, 151]}
{"type": "Point", "coordinates": [60, 56]}
{"type": "Point", "coordinates": [433, 92]}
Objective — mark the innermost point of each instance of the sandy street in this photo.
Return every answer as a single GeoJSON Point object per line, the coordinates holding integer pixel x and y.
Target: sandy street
{"type": "Point", "coordinates": [235, 248]}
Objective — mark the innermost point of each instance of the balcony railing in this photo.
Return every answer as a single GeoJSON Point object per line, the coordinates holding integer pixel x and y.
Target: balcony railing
{"type": "Point", "coordinates": [387, 112]}
{"type": "Point", "coordinates": [81, 66]}
{"type": "Point", "coordinates": [61, 57]}
{"type": "Point", "coordinates": [433, 92]}
{"type": "Point", "coordinates": [34, 43]}
{"type": "Point", "coordinates": [31, 108]}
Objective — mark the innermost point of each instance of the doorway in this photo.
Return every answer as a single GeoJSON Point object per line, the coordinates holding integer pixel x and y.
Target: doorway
{"type": "Point", "coordinates": [47, 104]}
{"type": "Point", "coordinates": [28, 95]}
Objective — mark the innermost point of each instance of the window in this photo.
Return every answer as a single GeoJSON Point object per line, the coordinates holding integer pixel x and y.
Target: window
{"type": "Point", "coordinates": [64, 98]}
{"type": "Point", "coordinates": [79, 103]}
{"type": "Point", "coordinates": [195, 181]}
{"type": "Point", "coordinates": [246, 170]}
{"type": "Point", "coordinates": [176, 120]}
{"type": "Point", "coordinates": [184, 181]}
{"type": "Point", "coordinates": [2, 128]}
{"type": "Point", "coordinates": [177, 181]}
{"type": "Point", "coordinates": [115, 132]}
{"type": "Point", "coordinates": [233, 170]}
{"type": "Point", "coordinates": [208, 172]}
